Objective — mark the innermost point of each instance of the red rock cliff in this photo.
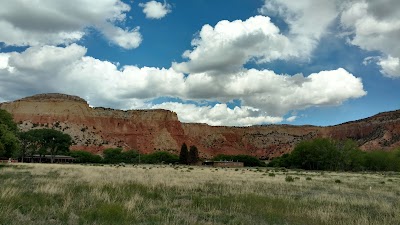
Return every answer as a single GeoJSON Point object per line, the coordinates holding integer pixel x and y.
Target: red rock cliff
{"type": "Point", "coordinates": [95, 129]}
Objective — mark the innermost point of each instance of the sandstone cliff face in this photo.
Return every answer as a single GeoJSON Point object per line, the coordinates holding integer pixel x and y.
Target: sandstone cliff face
{"type": "Point", "coordinates": [381, 131]}
{"type": "Point", "coordinates": [94, 129]}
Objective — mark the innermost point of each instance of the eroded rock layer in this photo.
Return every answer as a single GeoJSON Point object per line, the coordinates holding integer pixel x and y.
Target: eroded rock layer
{"type": "Point", "coordinates": [94, 129]}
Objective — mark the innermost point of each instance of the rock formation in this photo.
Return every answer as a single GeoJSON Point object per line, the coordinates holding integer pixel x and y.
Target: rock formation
{"type": "Point", "coordinates": [95, 129]}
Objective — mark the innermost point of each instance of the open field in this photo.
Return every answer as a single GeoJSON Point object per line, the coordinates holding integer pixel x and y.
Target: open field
{"type": "Point", "coordinates": [151, 194]}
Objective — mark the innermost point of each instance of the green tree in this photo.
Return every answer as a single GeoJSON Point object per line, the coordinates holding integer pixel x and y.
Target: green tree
{"type": "Point", "coordinates": [113, 155]}
{"type": "Point", "coordinates": [55, 142]}
{"type": "Point", "coordinates": [29, 145]}
{"type": "Point", "coordinates": [184, 154]}
{"type": "Point", "coordinates": [130, 156]}
{"type": "Point", "coordinates": [382, 161]}
{"type": "Point", "coordinates": [9, 143]}
{"type": "Point", "coordinates": [7, 119]}
{"type": "Point", "coordinates": [193, 157]}
{"type": "Point", "coordinates": [326, 154]}
{"type": "Point", "coordinates": [46, 141]}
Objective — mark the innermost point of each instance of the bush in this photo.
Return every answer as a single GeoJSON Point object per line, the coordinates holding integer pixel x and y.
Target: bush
{"type": "Point", "coordinates": [382, 161]}
{"type": "Point", "coordinates": [160, 157]}
{"type": "Point", "coordinates": [85, 157]}
{"type": "Point", "coordinates": [289, 179]}
{"type": "Point", "coordinates": [113, 155]}
{"type": "Point", "coordinates": [130, 156]}
{"type": "Point", "coordinates": [116, 155]}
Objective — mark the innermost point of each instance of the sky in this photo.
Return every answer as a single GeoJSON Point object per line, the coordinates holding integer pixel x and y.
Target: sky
{"type": "Point", "coordinates": [220, 62]}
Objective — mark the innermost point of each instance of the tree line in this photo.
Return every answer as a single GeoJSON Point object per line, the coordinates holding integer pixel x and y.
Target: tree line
{"type": "Point", "coordinates": [328, 154]}
{"type": "Point", "coordinates": [317, 154]}
{"type": "Point", "coordinates": [15, 144]}
{"type": "Point", "coordinates": [117, 155]}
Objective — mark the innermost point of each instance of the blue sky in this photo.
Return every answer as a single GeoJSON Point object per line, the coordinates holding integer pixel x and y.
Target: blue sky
{"type": "Point", "coordinates": [235, 63]}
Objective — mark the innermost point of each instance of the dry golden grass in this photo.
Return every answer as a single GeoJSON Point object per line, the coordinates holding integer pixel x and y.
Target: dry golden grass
{"type": "Point", "coordinates": [162, 194]}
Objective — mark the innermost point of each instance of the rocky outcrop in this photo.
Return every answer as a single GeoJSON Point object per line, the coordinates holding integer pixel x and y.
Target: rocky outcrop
{"type": "Point", "coordinates": [94, 129]}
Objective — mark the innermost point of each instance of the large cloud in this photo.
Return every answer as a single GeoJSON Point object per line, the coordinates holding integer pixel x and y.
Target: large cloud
{"type": "Point", "coordinates": [265, 96]}
{"type": "Point", "coordinates": [307, 20]}
{"type": "Point", "coordinates": [376, 26]}
{"type": "Point", "coordinates": [369, 24]}
{"type": "Point", "coordinates": [219, 114]}
{"type": "Point", "coordinates": [229, 45]}
{"type": "Point", "coordinates": [62, 22]}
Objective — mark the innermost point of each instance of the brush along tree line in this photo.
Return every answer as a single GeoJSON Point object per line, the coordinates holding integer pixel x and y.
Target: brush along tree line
{"type": "Point", "coordinates": [327, 154]}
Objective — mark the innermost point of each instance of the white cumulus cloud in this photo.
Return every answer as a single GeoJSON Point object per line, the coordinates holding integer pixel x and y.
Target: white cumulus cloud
{"type": "Point", "coordinates": [229, 45]}
{"type": "Point", "coordinates": [219, 114]}
{"type": "Point", "coordinates": [25, 23]}
{"type": "Point", "coordinates": [390, 66]}
{"type": "Point", "coordinates": [307, 20]}
{"type": "Point", "coordinates": [369, 24]}
{"type": "Point", "coordinates": [375, 26]}
{"type": "Point", "coordinates": [265, 96]}
{"type": "Point", "coordinates": [155, 10]}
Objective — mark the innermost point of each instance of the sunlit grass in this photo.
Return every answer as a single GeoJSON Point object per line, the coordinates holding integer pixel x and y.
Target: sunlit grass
{"type": "Point", "coordinates": [151, 194]}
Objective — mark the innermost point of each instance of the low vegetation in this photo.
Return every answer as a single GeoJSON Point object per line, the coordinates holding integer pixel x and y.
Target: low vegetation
{"type": "Point", "coordinates": [246, 159]}
{"type": "Point", "coordinates": [117, 156]}
{"type": "Point", "coordinates": [327, 154]}
{"type": "Point", "coordinates": [164, 194]}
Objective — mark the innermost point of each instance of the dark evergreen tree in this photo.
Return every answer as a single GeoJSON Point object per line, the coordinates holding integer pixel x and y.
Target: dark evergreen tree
{"type": "Point", "coordinates": [184, 154]}
{"type": "Point", "coordinates": [193, 155]}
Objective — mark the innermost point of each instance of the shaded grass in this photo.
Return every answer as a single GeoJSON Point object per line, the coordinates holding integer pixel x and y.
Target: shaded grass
{"type": "Point", "coordinates": [74, 194]}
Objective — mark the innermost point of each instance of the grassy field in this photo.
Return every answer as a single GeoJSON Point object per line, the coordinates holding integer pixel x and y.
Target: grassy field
{"type": "Point", "coordinates": [150, 194]}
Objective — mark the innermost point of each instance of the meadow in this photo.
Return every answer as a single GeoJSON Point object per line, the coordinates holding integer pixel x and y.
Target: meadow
{"type": "Point", "coordinates": [167, 194]}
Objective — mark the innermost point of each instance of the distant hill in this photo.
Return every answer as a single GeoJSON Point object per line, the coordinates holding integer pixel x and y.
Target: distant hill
{"type": "Point", "coordinates": [94, 129]}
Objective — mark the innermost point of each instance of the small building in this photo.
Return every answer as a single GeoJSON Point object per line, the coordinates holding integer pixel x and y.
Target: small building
{"type": "Point", "coordinates": [223, 164]}
{"type": "Point", "coordinates": [47, 159]}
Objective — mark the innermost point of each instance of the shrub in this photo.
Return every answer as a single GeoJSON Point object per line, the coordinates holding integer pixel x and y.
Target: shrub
{"type": "Point", "coordinates": [160, 157]}
{"type": "Point", "coordinates": [85, 157]}
{"type": "Point", "coordinates": [289, 179]}
{"type": "Point", "coordinates": [130, 156]}
{"type": "Point", "coordinates": [113, 155]}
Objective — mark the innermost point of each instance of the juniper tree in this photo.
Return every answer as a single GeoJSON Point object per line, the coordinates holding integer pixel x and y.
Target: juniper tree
{"type": "Point", "coordinates": [184, 154]}
{"type": "Point", "coordinates": [193, 155]}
